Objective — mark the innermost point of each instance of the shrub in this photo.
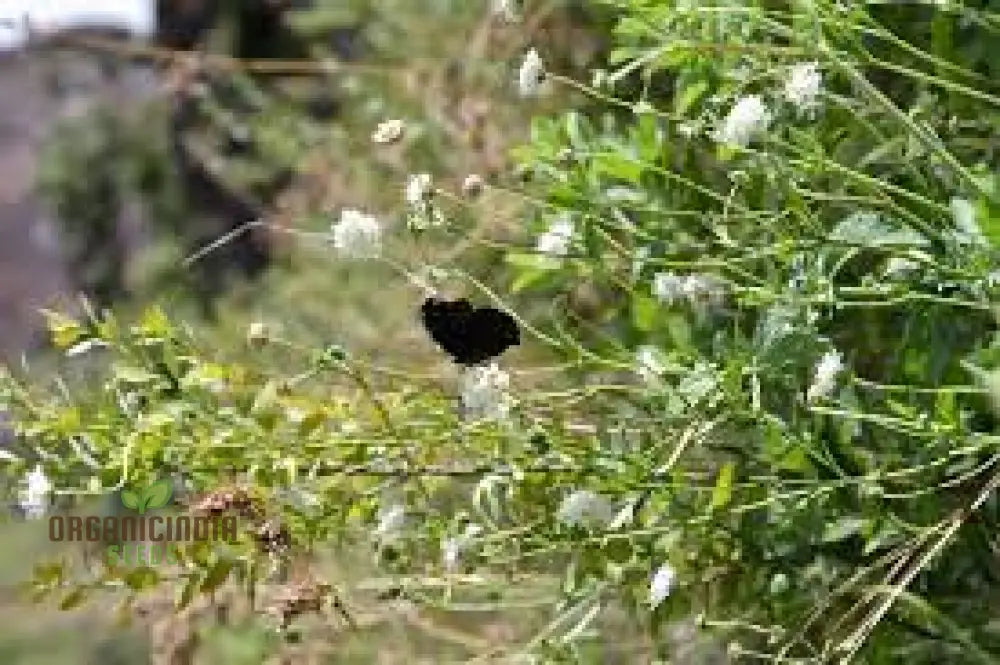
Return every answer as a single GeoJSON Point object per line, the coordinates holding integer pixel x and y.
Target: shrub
{"type": "Point", "coordinates": [762, 255]}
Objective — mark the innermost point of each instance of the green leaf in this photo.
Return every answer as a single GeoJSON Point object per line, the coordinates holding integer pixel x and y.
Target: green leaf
{"type": "Point", "coordinates": [842, 529]}
{"type": "Point", "coordinates": [266, 398]}
{"type": "Point", "coordinates": [158, 494]}
{"type": "Point", "coordinates": [689, 95]}
{"type": "Point", "coordinates": [796, 460]}
{"type": "Point", "coordinates": [312, 422]}
{"type": "Point", "coordinates": [532, 261]}
{"type": "Point", "coordinates": [65, 331]}
{"type": "Point", "coordinates": [154, 324]}
{"type": "Point", "coordinates": [46, 574]}
{"type": "Point", "coordinates": [216, 575]}
{"type": "Point", "coordinates": [186, 594]}
{"type": "Point", "coordinates": [887, 536]}
{"type": "Point", "coordinates": [868, 229]}
{"type": "Point", "coordinates": [648, 138]}
{"type": "Point", "coordinates": [679, 330]}
{"type": "Point", "coordinates": [531, 269]}
{"type": "Point", "coordinates": [141, 578]}
{"type": "Point", "coordinates": [124, 612]}
{"type": "Point", "coordinates": [128, 374]}
{"type": "Point", "coordinates": [73, 599]}
{"type": "Point", "coordinates": [723, 492]}
{"type": "Point", "coordinates": [130, 499]}
{"type": "Point", "coordinates": [617, 166]}
{"type": "Point", "coordinates": [644, 311]}
{"type": "Point", "coordinates": [574, 130]}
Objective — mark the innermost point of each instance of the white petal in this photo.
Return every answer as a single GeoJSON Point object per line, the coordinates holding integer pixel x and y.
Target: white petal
{"type": "Point", "coordinates": [662, 584]}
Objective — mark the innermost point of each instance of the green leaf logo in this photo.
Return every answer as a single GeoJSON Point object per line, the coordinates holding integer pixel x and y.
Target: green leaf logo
{"type": "Point", "coordinates": [130, 499]}
{"type": "Point", "coordinates": [155, 496]}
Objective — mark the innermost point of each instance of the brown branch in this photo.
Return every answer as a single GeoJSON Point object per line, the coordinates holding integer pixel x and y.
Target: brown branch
{"type": "Point", "coordinates": [147, 52]}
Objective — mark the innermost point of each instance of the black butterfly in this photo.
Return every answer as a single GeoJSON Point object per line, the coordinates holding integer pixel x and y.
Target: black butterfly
{"type": "Point", "coordinates": [467, 334]}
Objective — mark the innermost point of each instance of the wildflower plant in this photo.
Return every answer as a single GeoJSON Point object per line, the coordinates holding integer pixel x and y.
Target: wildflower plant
{"type": "Point", "coordinates": [757, 268]}
{"type": "Point", "coordinates": [816, 408]}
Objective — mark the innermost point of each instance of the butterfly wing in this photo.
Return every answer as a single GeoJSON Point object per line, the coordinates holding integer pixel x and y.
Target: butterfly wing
{"type": "Point", "coordinates": [448, 323]}
{"type": "Point", "coordinates": [495, 332]}
{"type": "Point", "coordinates": [469, 335]}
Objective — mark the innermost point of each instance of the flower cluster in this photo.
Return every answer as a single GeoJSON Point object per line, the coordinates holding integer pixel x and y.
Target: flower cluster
{"type": "Point", "coordinates": [696, 289]}
{"type": "Point", "coordinates": [750, 117]}
{"type": "Point", "coordinates": [556, 240]}
{"type": "Point", "coordinates": [649, 361]}
{"type": "Point", "coordinates": [453, 548]}
{"type": "Point", "coordinates": [967, 228]}
{"type": "Point", "coordinates": [531, 75]}
{"type": "Point", "coordinates": [485, 392]}
{"type": "Point", "coordinates": [388, 132]}
{"type": "Point", "coordinates": [473, 185]}
{"type": "Point", "coordinates": [391, 522]}
{"type": "Point", "coordinates": [505, 10]}
{"type": "Point", "coordinates": [420, 199]}
{"type": "Point", "coordinates": [661, 585]}
{"type": "Point", "coordinates": [802, 87]}
{"type": "Point", "coordinates": [585, 508]}
{"type": "Point", "coordinates": [299, 598]}
{"type": "Point", "coordinates": [273, 537]}
{"type": "Point", "coordinates": [36, 494]}
{"type": "Point", "coordinates": [357, 235]}
{"type": "Point", "coordinates": [237, 500]}
{"type": "Point", "coordinates": [825, 378]}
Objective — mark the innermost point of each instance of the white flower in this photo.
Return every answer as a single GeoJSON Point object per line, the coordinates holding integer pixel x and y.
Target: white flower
{"type": "Point", "coordinates": [698, 288]}
{"type": "Point", "coordinates": [650, 362]}
{"type": "Point", "coordinates": [357, 235]}
{"type": "Point", "coordinates": [964, 214]}
{"type": "Point", "coordinates": [662, 584]}
{"type": "Point", "coordinates": [899, 266]}
{"type": "Point", "coordinates": [485, 392]}
{"type": "Point", "coordinates": [453, 548]}
{"type": "Point", "coordinates": [584, 508]}
{"type": "Point", "coordinates": [699, 383]}
{"type": "Point", "coordinates": [389, 131]}
{"type": "Point", "coordinates": [643, 106]}
{"type": "Point", "coordinates": [419, 189]}
{"type": "Point", "coordinates": [390, 522]}
{"type": "Point", "coordinates": [473, 185]}
{"type": "Point", "coordinates": [803, 85]}
{"type": "Point", "coordinates": [85, 347]}
{"type": "Point", "coordinates": [748, 117]}
{"type": "Point", "coordinates": [668, 287]}
{"type": "Point", "coordinates": [35, 496]}
{"type": "Point", "coordinates": [688, 129]}
{"type": "Point", "coordinates": [303, 499]}
{"type": "Point", "coordinates": [556, 240]}
{"type": "Point", "coordinates": [423, 214]}
{"type": "Point", "coordinates": [505, 9]}
{"type": "Point", "coordinates": [257, 334]}
{"type": "Point", "coordinates": [825, 379]}
{"type": "Point", "coordinates": [531, 74]}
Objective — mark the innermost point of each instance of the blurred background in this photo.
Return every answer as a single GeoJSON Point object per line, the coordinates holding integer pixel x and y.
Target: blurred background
{"type": "Point", "coordinates": [39, 95]}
